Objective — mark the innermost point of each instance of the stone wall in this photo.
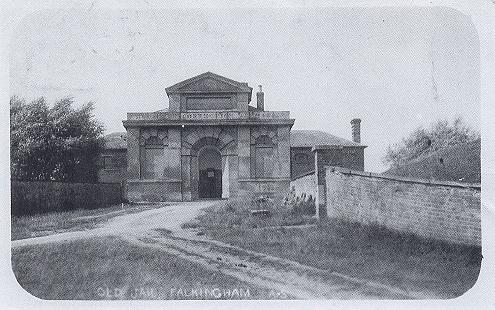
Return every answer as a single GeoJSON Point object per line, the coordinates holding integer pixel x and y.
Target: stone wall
{"type": "Point", "coordinates": [304, 185]}
{"type": "Point", "coordinates": [440, 210]}
{"type": "Point", "coordinates": [345, 157]}
{"type": "Point", "coordinates": [154, 190]}
{"type": "Point", "coordinates": [273, 188]}
{"type": "Point", "coordinates": [29, 198]}
{"type": "Point", "coordinates": [118, 170]}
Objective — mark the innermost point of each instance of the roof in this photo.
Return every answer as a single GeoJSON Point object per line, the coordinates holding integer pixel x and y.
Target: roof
{"type": "Point", "coordinates": [298, 138]}
{"type": "Point", "coordinates": [211, 83]}
{"type": "Point", "coordinates": [116, 140]}
{"type": "Point", "coordinates": [311, 138]}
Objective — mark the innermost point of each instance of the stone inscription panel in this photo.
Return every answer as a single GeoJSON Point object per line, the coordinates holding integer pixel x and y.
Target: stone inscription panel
{"type": "Point", "coordinates": [209, 103]}
{"type": "Point", "coordinates": [214, 115]}
{"type": "Point", "coordinates": [234, 115]}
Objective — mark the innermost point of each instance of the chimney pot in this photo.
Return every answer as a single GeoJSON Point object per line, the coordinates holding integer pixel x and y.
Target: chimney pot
{"type": "Point", "coordinates": [260, 99]}
{"type": "Point", "coordinates": [356, 130]}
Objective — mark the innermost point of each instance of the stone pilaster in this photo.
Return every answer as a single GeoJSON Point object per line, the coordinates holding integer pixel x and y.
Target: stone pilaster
{"type": "Point", "coordinates": [283, 137]}
{"type": "Point", "coordinates": [225, 177]}
{"type": "Point", "coordinates": [174, 154]}
{"type": "Point", "coordinates": [194, 172]}
{"type": "Point", "coordinates": [244, 150]}
{"type": "Point", "coordinates": [233, 175]}
{"type": "Point", "coordinates": [186, 177]}
{"type": "Point", "coordinates": [133, 153]}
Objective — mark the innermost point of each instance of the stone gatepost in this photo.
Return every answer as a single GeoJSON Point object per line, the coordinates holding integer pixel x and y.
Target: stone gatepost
{"type": "Point", "coordinates": [321, 190]}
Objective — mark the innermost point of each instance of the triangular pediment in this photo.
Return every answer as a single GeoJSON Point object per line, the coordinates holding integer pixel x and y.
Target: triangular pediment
{"type": "Point", "coordinates": [209, 85]}
{"type": "Point", "coordinates": [208, 82]}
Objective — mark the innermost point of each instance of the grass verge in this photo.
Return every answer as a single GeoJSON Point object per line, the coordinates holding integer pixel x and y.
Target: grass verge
{"type": "Point", "coordinates": [237, 214]}
{"type": "Point", "coordinates": [366, 252]}
{"type": "Point", "coordinates": [56, 222]}
{"type": "Point", "coordinates": [110, 268]}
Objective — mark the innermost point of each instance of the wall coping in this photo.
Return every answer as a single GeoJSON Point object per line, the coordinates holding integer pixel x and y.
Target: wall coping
{"type": "Point", "coordinates": [59, 182]}
{"type": "Point", "coordinates": [320, 147]}
{"type": "Point", "coordinates": [155, 181]}
{"type": "Point", "coordinates": [220, 122]}
{"type": "Point", "coordinates": [303, 175]}
{"type": "Point", "coordinates": [476, 186]}
{"type": "Point", "coordinates": [263, 180]}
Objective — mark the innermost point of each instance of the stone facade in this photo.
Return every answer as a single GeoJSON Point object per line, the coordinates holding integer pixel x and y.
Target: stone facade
{"type": "Point", "coordinates": [211, 143]}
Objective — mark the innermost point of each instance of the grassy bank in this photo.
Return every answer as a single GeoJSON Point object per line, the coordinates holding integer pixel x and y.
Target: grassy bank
{"type": "Point", "coordinates": [238, 214]}
{"type": "Point", "coordinates": [110, 268]}
{"type": "Point", "coordinates": [56, 222]}
{"type": "Point", "coordinates": [367, 252]}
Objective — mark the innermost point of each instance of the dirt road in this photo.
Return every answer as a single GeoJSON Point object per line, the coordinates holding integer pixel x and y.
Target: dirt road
{"type": "Point", "coordinates": [160, 229]}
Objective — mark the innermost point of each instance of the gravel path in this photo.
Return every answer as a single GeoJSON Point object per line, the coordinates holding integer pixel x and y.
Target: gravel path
{"type": "Point", "coordinates": [160, 229]}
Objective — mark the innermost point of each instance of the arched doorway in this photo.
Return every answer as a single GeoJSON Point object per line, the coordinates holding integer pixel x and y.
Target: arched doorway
{"type": "Point", "coordinates": [210, 173]}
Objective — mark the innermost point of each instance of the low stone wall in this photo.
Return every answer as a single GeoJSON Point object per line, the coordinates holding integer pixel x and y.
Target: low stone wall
{"type": "Point", "coordinates": [29, 198]}
{"type": "Point", "coordinates": [445, 211]}
{"type": "Point", "coordinates": [274, 188]}
{"type": "Point", "coordinates": [154, 190]}
{"type": "Point", "coordinates": [304, 186]}
{"type": "Point", "coordinates": [112, 175]}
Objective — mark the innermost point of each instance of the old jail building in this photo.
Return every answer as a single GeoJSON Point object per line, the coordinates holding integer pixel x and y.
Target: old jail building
{"type": "Point", "coordinates": [211, 143]}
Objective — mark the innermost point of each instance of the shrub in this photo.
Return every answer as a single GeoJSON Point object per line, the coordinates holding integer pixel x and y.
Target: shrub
{"type": "Point", "coordinates": [300, 205]}
{"type": "Point", "coordinates": [237, 213]}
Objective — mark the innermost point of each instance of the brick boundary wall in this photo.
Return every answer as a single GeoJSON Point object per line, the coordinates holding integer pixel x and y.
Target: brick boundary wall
{"type": "Point", "coordinates": [29, 198]}
{"type": "Point", "coordinates": [447, 211]}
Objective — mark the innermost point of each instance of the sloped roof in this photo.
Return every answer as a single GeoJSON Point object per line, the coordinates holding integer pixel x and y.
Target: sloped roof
{"type": "Point", "coordinates": [311, 138]}
{"type": "Point", "coordinates": [221, 82]}
{"type": "Point", "coordinates": [116, 140]}
{"type": "Point", "coordinates": [298, 138]}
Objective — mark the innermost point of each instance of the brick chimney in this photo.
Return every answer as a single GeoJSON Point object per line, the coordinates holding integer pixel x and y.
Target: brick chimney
{"type": "Point", "coordinates": [260, 99]}
{"type": "Point", "coordinates": [356, 130]}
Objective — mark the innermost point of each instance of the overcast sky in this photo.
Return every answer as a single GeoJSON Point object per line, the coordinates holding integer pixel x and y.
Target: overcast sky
{"type": "Point", "coordinates": [396, 69]}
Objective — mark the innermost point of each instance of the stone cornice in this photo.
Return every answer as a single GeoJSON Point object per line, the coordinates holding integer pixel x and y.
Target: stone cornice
{"type": "Point", "coordinates": [209, 118]}
{"type": "Point", "coordinates": [233, 122]}
{"type": "Point", "coordinates": [336, 146]}
{"type": "Point", "coordinates": [209, 115]}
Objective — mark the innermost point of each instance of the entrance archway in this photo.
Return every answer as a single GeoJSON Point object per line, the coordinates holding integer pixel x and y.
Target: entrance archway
{"type": "Point", "coordinates": [210, 173]}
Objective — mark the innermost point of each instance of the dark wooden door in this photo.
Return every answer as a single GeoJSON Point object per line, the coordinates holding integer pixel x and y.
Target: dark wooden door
{"type": "Point", "coordinates": [210, 183]}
